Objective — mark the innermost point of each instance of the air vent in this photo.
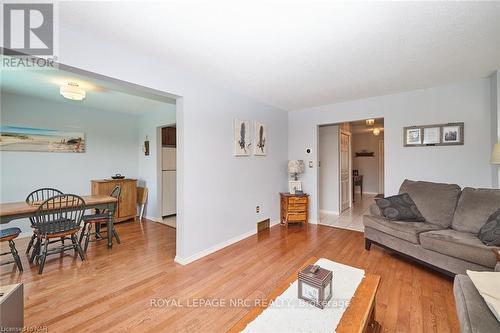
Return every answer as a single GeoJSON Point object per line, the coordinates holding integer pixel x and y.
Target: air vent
{"type": "Point", "coordinates": [263, 225]}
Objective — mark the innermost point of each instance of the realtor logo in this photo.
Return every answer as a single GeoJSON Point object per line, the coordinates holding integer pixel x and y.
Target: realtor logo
{"type": "Point", "coordinates": [28, 28]}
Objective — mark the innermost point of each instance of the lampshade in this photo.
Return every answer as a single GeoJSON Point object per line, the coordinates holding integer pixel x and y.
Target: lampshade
{"type": "Point", "coordinates": [296, 166]}
{"type": "Point", "coordinates": [495, 156]}
{"type": "Point", "coordinates": [72, 91]}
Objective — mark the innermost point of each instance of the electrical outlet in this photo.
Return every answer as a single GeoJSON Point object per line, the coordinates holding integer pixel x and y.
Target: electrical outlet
{"type": "Point", "coordinates": [257, 209]}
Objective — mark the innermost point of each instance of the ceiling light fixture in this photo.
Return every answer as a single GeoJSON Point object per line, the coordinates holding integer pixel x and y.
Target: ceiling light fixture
{"type": "Point", "coordinates": [72, 91]}
{"type": "Point", "coordinates": [376, 131]}
{"type": "Point", "coordinates": [370, 122]}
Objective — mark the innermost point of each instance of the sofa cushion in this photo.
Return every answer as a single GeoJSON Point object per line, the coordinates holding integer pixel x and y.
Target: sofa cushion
{"type": "Point", "coordinates": [462, 245]}
{"type": "Point", "coordinates": [474, 208]}
{"type": "Point", "coordinates": [407, 231]}
{"type": "Point", "coordinates": [399, 208]}
{"type": "Point", "coordinates": [473, 313]}
{"type": "Point", "coordinates": [436, 201]}
{"type": "Point", "coordinates": [375, 211]}
{"type": "Point", "coordinates": [489, 233]}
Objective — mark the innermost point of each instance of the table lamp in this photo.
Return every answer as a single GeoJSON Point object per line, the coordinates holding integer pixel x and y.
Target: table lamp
{"type": "Point", "coordinates": [495, 155]}
{"type": "Point", "coordinates": [296, 167]}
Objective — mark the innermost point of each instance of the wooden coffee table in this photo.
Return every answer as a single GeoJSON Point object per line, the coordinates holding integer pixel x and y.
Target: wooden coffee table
{"type": "Point", "coordinates": [359, 316]}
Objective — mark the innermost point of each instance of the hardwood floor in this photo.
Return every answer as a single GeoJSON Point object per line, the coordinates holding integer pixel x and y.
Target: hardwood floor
{"type": "Point", "coordinates": [113, 290]}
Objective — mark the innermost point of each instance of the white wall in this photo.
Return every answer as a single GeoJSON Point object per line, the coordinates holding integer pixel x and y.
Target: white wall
{"type": "Point", "coordinates": [495, 122]}
{"type": "Point", "coordinates": [217, 192]}
{"type": "Point", "coordinates": [367, 166]}
{"type": "Point", "coordinates": [468, 165]}
{"type": "Point", "coordinates": [329, 170]}
{"type": "Point", "coordinates": [111, 147]}
{"type": "Point", "coordinates": [149, 165]}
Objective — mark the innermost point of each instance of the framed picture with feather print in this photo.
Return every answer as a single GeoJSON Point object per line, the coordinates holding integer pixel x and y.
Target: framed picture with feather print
{"type": "Point", "coordinates": [260, 139]}
{"type": "Point", "coordinates": [242, 140]}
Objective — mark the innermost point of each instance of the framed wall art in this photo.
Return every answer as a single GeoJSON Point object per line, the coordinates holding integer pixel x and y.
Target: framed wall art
{"type": "Point", "coordinates": [260, 138]}
{"type": "Point", "coordinates": [242, 141]}
{"type": "Point", "coordinates": [434, 135]}
{"type": "Point", "coordinates": [14, 138]}
{"type": "Point", "coordinates": [452, 134]}
{"type": "Point", "coordinates": [413, 136]}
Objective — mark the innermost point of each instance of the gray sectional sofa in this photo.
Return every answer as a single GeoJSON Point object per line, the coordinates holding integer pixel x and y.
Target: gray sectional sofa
{"type": "Point", "coordinates": [447, 240]}
{"type": "Point", "coordinates": [473, 313]}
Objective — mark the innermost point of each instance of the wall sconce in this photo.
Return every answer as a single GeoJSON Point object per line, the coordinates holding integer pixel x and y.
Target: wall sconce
{"type": "Point", "coordinates": [370, 122]}
{"type": "Point", "coordinates": [145, 147]}
{"type": "Point", "coordinates": [376, 131]}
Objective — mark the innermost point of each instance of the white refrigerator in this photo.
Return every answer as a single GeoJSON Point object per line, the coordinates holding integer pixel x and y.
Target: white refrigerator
{"type": "Point", "coordinates": [169, 204]}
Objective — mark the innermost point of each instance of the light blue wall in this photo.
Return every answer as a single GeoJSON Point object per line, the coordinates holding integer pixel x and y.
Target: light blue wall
{"type": "Point", "coordinates": [467, 165]}
{"type": "Point", "coordinates": [112, 147]}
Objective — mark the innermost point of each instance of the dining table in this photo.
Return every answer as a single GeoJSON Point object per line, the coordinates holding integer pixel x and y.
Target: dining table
{"type": "Point", "coordinates": [18, 210]}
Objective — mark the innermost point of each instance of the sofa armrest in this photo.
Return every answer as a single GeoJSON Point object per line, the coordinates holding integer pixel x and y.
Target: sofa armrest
{"type": "Point", "coordinates": [472, 311]}
{"type": "Point", "coordinates": [375, 211]}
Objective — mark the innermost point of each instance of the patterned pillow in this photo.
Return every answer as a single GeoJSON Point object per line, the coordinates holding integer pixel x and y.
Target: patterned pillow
{"type": "Point", "coordinates": [399, 207]}
{"type": "Point", "coordinates": [489, 233]}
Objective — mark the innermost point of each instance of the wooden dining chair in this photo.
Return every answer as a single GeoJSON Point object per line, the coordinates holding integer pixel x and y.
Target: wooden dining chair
{"type": "Point", "coordinates": [37, 197]}
{"type": "Point", "coordinates": [8, 235]}
{"type": "Point", "coordinates": [142, 197]}
{"type": "Point", "coordinates": [58, 217]}
{"type": "Point", "coordinates": [99, 218]}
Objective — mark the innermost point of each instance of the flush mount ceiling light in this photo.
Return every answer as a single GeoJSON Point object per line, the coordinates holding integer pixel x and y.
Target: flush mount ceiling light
{"type": "Point", "coordinates": [370, 122]}
{"type": "Point", "coordinates": [376, 131]}
{"type": "Point", "coordinates": [72, 91]}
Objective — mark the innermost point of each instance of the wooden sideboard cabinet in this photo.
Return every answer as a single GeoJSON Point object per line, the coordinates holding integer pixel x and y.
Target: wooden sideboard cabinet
{"type": "Point", "coordinates": [127, 208]}
{"type": "Point", "coordinates": [294, 208]}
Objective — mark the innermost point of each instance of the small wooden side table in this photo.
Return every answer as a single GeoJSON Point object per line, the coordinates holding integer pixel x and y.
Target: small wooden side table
{"type": "Point", "coordinates": [357, 181]}
{"type": "Point", "coordinates": [12, 307]}
{"type": "Point", "coordinates": [294, 208]}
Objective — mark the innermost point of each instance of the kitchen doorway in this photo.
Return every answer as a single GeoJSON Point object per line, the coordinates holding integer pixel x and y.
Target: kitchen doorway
{"type": "Point", "coordinates": [168, 192]}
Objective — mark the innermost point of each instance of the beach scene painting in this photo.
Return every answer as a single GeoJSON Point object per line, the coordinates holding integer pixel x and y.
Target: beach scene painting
{"type": "Point", "coordinates": [44, 140]}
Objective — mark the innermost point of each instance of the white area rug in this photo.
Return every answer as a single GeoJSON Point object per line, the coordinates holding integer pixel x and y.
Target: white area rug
{"type": "Point", "coordinates": [289, 314]}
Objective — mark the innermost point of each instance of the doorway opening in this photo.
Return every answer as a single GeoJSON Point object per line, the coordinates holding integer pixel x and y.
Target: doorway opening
{"type": "Point", "coordinates": [167, 171]}
{"type": "Point", "coordinates": [134, 111]}
{"type": "Point", "coordinates": [351, 171]}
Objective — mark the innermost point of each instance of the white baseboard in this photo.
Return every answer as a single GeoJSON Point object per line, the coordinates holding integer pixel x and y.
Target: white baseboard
{"type": "Point", "coordinates": [313, 221]}
{"type": "Point", "coordinates": [154, 219]}
{"type": "Point", "coordinates": [325, 224]}
{"type": "Point", "coordinates": [329, 212]}
{"type": "Point", "coordinates": [364, 192]}
{"type": "Point", "coordinates": [217, 247]}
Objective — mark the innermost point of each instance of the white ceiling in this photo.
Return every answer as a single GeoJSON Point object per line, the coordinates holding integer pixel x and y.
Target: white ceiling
{"type": "Point", "coordinates": [101, 94]}
{"type": "Point", "coordinates": [297, 54]}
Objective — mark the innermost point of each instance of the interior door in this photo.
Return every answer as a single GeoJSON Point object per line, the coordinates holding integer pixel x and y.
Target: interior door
{"type": "Point", "coordinates": [345, 171]}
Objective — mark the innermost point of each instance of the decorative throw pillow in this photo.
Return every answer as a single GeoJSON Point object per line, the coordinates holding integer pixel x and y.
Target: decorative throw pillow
{"type": "Point", "coordinates": [489, 233]}
{"type": "Point", "coordinates": [399, 207]}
